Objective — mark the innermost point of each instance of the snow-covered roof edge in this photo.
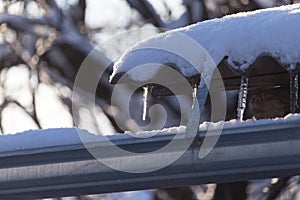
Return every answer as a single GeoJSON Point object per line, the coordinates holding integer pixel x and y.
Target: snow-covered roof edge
{"type": "Point", "coordinates": [242, 37]}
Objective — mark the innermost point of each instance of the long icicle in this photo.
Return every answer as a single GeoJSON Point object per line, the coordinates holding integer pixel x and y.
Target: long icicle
{"type": "Point", "coordinates": [242, 100]}
{"type": "Point", "coordinates": [201, 94]}
{"type": "Point", "coordinates": [294, 88]}
{"type": "Point", "coordinates": [199, 98]}
{"type": "Point", "coordinates": [145, 98]}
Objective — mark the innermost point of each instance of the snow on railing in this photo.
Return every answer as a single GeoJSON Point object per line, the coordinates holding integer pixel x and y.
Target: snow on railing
{"type": "Point", "coordinates": [52, 163]}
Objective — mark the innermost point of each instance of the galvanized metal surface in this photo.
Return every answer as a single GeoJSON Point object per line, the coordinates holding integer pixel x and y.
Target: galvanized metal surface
{"type": "Point", "coordinates": [241, 153]}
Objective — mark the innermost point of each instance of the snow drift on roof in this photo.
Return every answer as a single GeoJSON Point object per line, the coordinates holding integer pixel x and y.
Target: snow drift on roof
{"type": "Point", "coordinates": [241, 37]}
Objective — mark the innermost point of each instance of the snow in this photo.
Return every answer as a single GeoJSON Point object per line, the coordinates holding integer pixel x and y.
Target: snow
{"type": "Point", "coordinates": [242, 37]}
{"type": "Point", "coordinates": [34, 139]}
{"type": "Point", "coordinates": [59, 137]}
{"type": "Point", "coordinates": [234, 123]}
{"type": "Point", "coordinates": [62, 137]}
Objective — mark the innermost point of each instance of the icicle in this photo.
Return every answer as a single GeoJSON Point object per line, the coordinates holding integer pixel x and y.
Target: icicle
{"type": "Point", "coordinates": [145, 97]}
{"type": "Point", "coordinates": [194, 96]}
{"type": "Point", "coordinates": [193, 121]}
{"type": "Point", "coordinates": [294, 87]}
{"type": "Point", "coordinates": [199, 98]}
{"type": "Point", "coordinates": [242, 100]}
{"type": "Point", "coordinates": [201, 94]}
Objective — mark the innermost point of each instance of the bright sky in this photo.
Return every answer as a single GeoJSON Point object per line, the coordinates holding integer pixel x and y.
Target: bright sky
{"type": "Point", "coordinates": [107, 13]}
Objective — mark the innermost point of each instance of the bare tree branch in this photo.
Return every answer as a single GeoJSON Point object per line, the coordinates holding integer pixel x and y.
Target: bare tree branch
{"type": "Point", "coordinates": [25, 25]}
{"type": "Point", "coordinates": [8, 57]}
{"type": "Point", "coordinates": [78, 12]}
{"type": "Point", "coordinates": [147, 11]}
{"type": "Point", "coordinates": [276, 189]}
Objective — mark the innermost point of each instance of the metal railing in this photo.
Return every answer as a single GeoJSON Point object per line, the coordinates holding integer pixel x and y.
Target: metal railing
{"type": "Point", "coordinates": [242, 153]}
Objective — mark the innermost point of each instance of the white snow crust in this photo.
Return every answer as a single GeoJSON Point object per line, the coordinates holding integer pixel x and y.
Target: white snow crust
{"type": "Point", "coordinates": [61, 137]}
{"type": "Point", "coordinates": [243, 37]}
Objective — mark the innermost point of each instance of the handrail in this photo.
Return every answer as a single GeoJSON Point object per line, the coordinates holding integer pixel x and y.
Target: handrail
{"type": "Point", "coordinates": [242, 153]}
